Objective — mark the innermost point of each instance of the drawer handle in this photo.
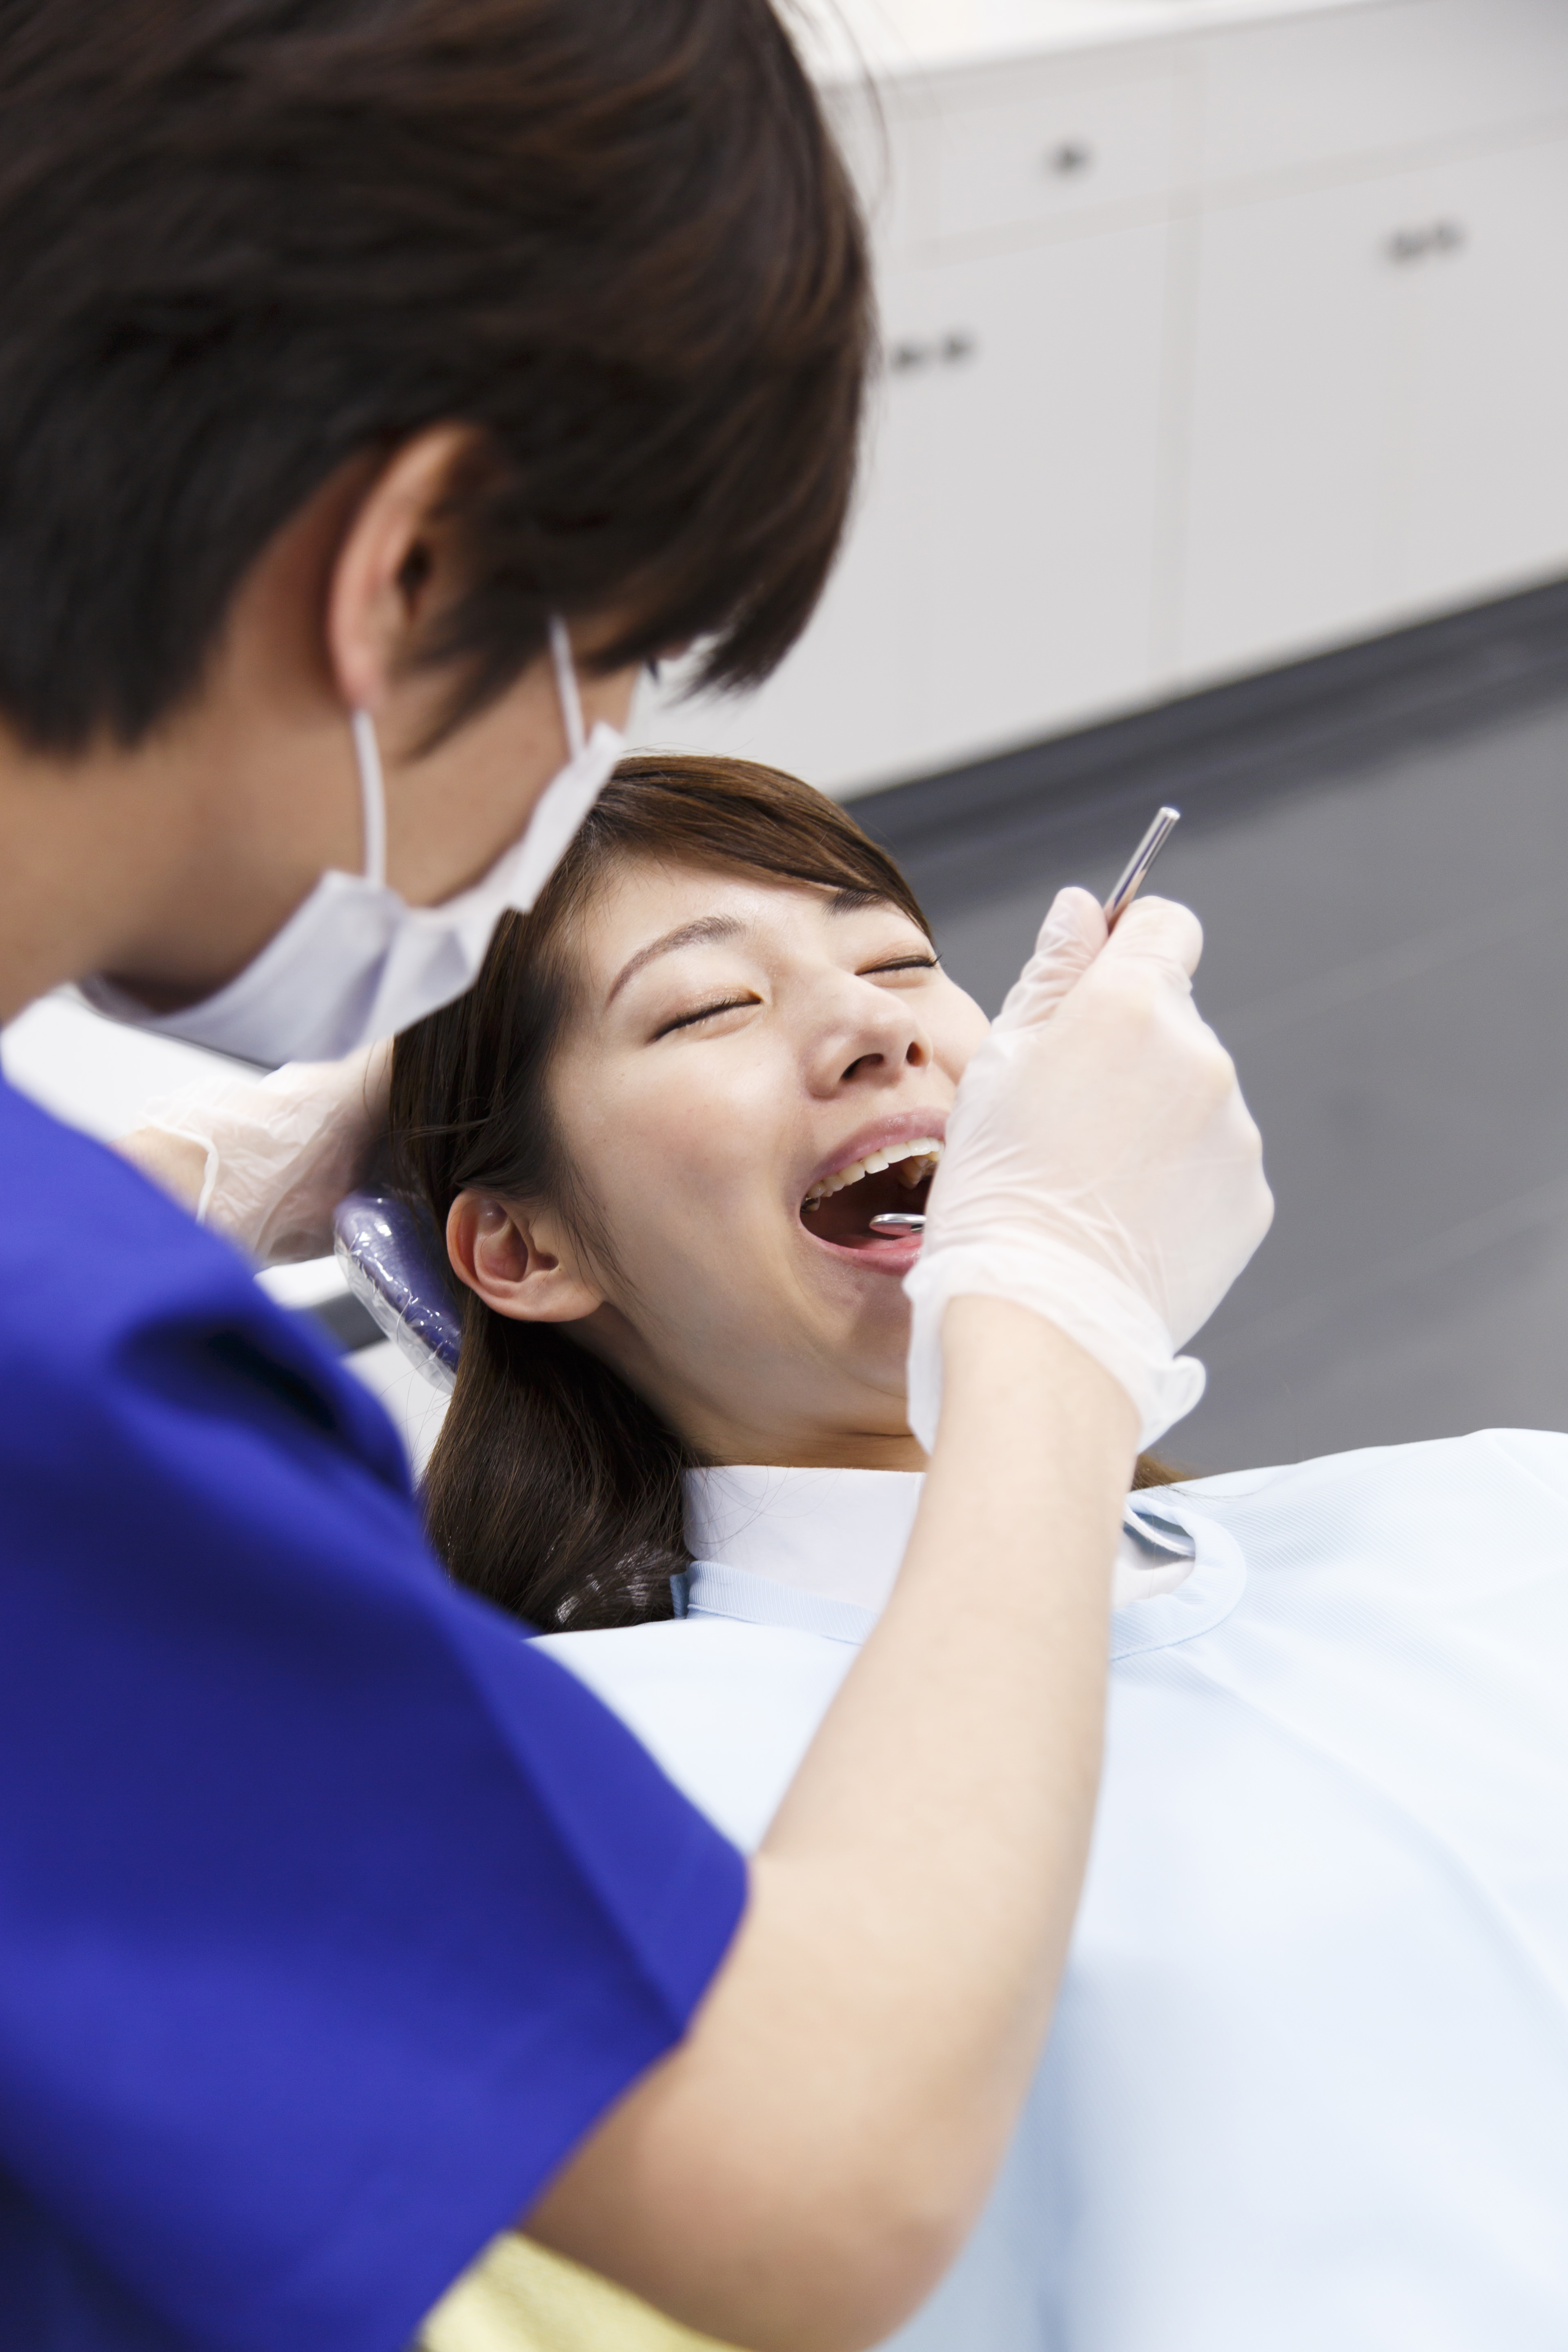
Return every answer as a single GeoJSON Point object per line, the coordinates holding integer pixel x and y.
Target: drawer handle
{"type": "Point", "coordinates": [1408, 245]}
{"type": "Point", "coordinates": [1070, 158]}
{"type": "Point", "coordinates": [942, 350]}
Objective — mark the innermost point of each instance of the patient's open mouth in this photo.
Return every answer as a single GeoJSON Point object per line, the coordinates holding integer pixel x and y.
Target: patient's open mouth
{"type": "Point", "coordinates": [888, 1184]}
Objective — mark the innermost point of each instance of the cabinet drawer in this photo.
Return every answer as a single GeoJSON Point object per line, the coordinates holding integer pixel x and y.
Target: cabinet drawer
{"type": "Point", "coordinates": [1050, 146]}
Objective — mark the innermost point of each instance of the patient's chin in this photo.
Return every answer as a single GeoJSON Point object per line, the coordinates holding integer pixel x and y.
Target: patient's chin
{"type": "Point", "coordinates": [871, 1337]}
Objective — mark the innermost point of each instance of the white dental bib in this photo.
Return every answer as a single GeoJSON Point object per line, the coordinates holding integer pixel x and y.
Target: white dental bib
{"type": "Point", "coordinates": [841, 1535]}
{"type": "Point", "coordinates": [1309, 2072]}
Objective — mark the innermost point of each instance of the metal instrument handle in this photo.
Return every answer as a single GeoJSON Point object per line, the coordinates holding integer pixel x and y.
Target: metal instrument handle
{"type": "Point", "coordinates": [1138, 864]}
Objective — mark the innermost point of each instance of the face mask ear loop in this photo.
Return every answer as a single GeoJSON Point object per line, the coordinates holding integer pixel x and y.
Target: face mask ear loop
{"type": "Point", "coordinates": [566, 685]}
{"type": "Point", "coordinates": [372, 795]}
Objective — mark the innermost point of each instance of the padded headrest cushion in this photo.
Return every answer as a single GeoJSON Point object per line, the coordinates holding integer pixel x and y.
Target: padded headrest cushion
{"type": "Point", "coordinates": [387, 1251]}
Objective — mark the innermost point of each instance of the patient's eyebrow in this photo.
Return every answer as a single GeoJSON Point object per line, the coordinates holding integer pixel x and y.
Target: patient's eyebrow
{"type": "Point", "coordinates": [686, 935]}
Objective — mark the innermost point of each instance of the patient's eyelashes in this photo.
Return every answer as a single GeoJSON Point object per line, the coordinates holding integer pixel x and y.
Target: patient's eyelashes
{"type": "Point", "coordinates": [705, 1013]}
{"type": "Point", "coordinates": [900, 963]}
{"type": "Point", "coordinates": [702, 1013]}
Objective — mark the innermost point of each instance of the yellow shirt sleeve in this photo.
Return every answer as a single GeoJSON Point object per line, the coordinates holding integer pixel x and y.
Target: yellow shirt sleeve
{"type": "Point", "coordinates": [520, 2297]}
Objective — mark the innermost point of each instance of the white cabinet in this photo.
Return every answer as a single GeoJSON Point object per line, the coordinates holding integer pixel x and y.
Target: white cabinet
{"type": "Point", "coordinates": [1207, 350]}
{"type": "Point", "coordinates": [1379, 385]}
{"type": "Point", "coordinates": [1029, 474]}
{"type": "Point", "coordinates": [1285, 532]}
{"type": "Point", "coordinates": [999, 577]}
{"type": "Point", "coordinates": [1485, 432]}
{"type": "Point", "coordinates": [1036, 151]}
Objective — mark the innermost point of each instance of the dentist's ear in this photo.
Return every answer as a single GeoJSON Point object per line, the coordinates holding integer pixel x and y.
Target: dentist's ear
{"type": "Point", "coordinates": [396, 564]}
{"type": "Point", "coordinates": [521, 1264]}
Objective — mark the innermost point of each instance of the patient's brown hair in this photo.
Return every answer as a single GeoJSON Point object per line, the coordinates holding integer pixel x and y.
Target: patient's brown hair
{"type": "Point", "coordinates": [554, 1489]}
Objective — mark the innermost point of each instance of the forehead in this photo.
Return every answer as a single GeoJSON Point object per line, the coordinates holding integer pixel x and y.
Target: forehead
{"type": "Point", "coordinates": [644, 898]}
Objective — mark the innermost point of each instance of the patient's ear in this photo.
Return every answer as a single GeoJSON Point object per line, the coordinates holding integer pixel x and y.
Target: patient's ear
{"type": "Point", "coordinates": [522, 1263]}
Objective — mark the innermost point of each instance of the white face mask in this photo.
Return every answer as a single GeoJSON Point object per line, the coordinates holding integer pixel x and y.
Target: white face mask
{"type": "Point", "coordinates": [356, 962]}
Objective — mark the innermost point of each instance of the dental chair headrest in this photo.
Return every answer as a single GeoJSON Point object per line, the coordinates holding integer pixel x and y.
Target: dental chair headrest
{"type": "Point", "coordinates": [387, 1252]}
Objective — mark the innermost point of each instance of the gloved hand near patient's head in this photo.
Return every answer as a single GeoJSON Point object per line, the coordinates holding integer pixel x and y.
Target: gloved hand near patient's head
{"type": "Point", "coordinates": [282, 1152]}
{"type": "Point", "coordinates": [1102, 1167]}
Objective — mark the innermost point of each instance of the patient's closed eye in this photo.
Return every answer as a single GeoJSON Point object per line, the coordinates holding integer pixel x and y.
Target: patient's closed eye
{"type": "Point", "coordinates": [736, 1004]}
{"type": "Point", "coordinates": [900, 963]}
{"type": "Point", "coordinates": [705, 1013]}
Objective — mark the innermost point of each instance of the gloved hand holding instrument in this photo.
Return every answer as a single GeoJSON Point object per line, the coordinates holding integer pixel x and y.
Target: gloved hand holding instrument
{"type": "Point", "coordinates": [1102, 1167]}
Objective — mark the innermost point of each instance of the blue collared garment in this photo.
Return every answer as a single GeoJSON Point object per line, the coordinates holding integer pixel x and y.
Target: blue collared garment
{"type": "Point", "coordinates": [333, 1913]}
{"type": "Point", "coordinates": [1306, 2089]}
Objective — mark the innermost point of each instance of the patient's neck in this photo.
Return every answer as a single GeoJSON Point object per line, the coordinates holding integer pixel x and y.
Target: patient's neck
{"type": "Point", "coordinates": [846, 1450]}
{"type": "Point", "coordinates": [802, 1415]}
{"type": "Point", "coordinates": [714, 1431]}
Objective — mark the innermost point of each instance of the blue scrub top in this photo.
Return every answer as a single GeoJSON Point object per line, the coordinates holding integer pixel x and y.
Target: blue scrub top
{"type": "Point", "coordinates": [332, 1911]}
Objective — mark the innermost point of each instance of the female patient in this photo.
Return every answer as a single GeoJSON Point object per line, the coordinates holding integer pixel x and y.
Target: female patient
{"type": "Point", "coordinates": [1310, 2069]}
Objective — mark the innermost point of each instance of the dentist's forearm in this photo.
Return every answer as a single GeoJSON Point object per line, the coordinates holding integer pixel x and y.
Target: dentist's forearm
{"type": "Point", "coordinates": [838, 2110]}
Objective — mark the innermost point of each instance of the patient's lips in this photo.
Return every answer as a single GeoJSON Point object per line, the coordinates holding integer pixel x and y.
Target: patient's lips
{"type": "Point", "coordinates": [870, 1207]}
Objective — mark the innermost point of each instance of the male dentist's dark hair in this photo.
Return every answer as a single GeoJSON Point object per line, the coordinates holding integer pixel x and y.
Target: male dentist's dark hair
{"type": "Point", "coordinates": [243, 241]}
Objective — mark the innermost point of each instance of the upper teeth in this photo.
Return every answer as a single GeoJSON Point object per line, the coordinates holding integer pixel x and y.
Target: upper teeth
{"type": "Point", "coordinates": [914, 1162]}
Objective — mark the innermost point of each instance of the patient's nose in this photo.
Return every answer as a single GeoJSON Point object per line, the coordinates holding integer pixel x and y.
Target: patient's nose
{"type": "Point", "coordinates": [916, 1054]}
{"type": "Point", "coordinates": [874, 1039]}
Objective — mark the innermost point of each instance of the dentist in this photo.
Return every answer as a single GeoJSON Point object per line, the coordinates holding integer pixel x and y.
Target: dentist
{"type": "Point", "coordinates": [382, 382]}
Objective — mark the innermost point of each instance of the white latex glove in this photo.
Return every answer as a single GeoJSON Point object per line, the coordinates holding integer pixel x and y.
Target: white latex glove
{"type": "Point", "coordinates": [280, 1151]}
{"type": "Point", "coordinates": [1102, 1167]}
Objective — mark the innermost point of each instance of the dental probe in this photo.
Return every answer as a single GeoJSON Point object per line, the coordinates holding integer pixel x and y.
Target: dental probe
{"type": "Point", "coordinates": [1138, 864]}
{"type": "Point", "coordinates": [897, 1222]}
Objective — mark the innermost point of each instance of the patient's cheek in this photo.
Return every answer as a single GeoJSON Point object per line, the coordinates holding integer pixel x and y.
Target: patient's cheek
{"type": "Point", "coordinates": [960, 1032]}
